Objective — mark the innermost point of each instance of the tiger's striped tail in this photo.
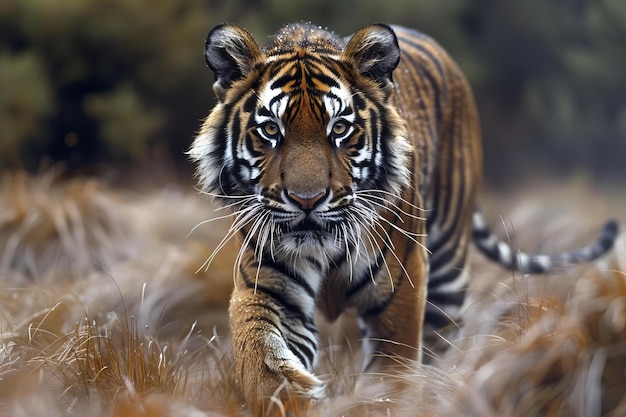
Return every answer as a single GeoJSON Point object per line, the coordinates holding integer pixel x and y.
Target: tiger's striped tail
{"type": "Point", "coordinates": [502, 253]}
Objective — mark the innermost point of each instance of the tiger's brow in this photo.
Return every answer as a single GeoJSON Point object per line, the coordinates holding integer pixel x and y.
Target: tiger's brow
{"type": "Point", "coordinates": [264, 111]}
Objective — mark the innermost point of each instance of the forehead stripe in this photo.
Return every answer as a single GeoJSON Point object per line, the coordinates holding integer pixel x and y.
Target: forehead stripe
{"type": "Point", "coordinates": [249, 103]}
{"type": "Point", "coordinates": [276, 99]}
{"type": "Point", "coordinates": [263, 111]}
{"type": "Point", "coordinates": [325, 79]}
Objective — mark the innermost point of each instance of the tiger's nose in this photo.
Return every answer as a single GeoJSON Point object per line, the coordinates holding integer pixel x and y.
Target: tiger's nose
{"type": "Point", "coordinates": [306, 202]}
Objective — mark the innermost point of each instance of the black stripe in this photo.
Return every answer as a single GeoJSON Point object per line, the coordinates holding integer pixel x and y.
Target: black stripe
{"type": "Point", "coordinates": [443, 255]}
{"type": "Point", "coordinates": [338, 67]}
{"type": "Point", "coordinates": [435, 318]}
{"type": "Point", "coordinates": [281, 267]}
{"type": "Point", "coordinates": [399, 280]}
{"type": "Point", "coordinates": [326, 79]}
{"type": "Point", "coordinates": [235, 129]}
{"type": "Point", "coordinates": [445, 278]}
{"type": "Point", "coordinates": [374, 116]}
{"type": "Point", "coordinates": [250, 103]}
{"type": "Point", "coordinates": [289, 328]}
{"type": "Point", "coordinates": [296, 352]}
{"type": "Point", "coordinates": [378, 309]}
{"type": "Point", "coordinates": [297, 348]}
{"type": "Point", "coordinates": [493, 252]}
{"type": "Point", "coordinates": [297, 278]}
{"type": "Point", "coordinates": [316, 263]}
{"type": "Point", "coordinates": [481, 234]}
{"type": "Point", "coordinates": [421, 86]}
{"type": "Point", "coordinates": [432, 82]}
{"type": "Point", "coordinates": [268, 308]}
{"type": "Point", "coordinates": [307, 350]}
{"type": "Point", "coordinates": [301, 350]}
{"type": "Point", "coordinates": [533, 266]}
{"type": "Point", "coordinates": [278, 97]}
{"type": "Point", "coordinates": [285, 79]}
{"type": "Point", "coordinates": [432, 216]}
{"type": "Point", "coordinates": [263, 111]}
{"type": "Point", "coordinates": [435, 281]}
{"type": "Point", "coordinates": [453, 298]}
{"type": "Point", "coordinates": [443, 239]}
{"type": "Point", "coordinates": [334, 97]}
{"type": "Point", "coordinates": [358, 100]}
{"type": "Point", "coordinates": [443, 206]}
{"type": "Point", "coordinates": [420, 46]}
{"type": "Point", "coordinates": [367, 277]}
{"type": "Point", "coordinates": [265, 320]}
{"type": "Point", "coordinates": [249, 143]}
{"type": "Point", "coordinates": [274, 68]}
{"type": "Point", "coordinates": [280, 300]}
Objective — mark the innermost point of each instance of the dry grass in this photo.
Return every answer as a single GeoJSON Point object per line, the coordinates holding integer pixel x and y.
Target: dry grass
{"type": "Point", "coordinates": [102, 313]}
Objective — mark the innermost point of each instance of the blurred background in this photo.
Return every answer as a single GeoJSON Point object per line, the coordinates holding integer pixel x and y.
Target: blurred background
{"type": "Point", "coordinates": [108, 87]}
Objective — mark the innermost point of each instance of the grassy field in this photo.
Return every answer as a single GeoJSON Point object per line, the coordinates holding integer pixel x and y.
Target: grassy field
{"type": "Point", "coordinates": [103, 312]}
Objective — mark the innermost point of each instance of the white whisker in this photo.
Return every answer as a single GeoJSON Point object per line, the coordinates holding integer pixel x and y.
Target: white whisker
{"type": "Point", "coordinates": [240, 203]}
{"type": "Point", "coordinates": [386, 205]}
{"type": "Point", "coordinates": [373, 241]}
{"type": "Point", "coordinates": [272, 234]}
{"type": "Point", "coordinates": [355, 220]}
{"type": "Point", "coordinates": [242, 218]}
{"type": "Point", "coordinates": [410, 235]}
{"type": "Point", "coordinates": [357, 239]}
{"type": "Point", "coordinates": [256, 224]}
{"type": "Point", "coordinates": [376, 248]}
{"type": "Point", "coordinates": [347, 248]}
{"type": "Point", "coordinates": [373, 193]}
{"type": "Point", "coordinates": [219, 196]}
{"type": "Point", "coordinates": [386, 238]}
{"type": "Point", "coordinates": [374, 222]}
{"type": "Point", "coordinates": [213, 219]}
{"type": "Point", "coordinates": [219, 177]}
{"type": "Point", "coordinates": [264, 235]}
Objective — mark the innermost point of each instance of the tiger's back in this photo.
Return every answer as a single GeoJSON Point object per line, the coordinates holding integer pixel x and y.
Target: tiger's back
{"type": "Point", "coordinates": [437, 103]}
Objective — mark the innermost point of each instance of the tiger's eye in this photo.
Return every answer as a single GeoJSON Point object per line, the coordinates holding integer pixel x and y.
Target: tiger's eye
{"type": "Point", "coordinates": [340, 128]}
{"type": "Point", "coordinates": [270, 129]}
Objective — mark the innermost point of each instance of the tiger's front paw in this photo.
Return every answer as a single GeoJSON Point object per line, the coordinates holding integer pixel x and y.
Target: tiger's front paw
{"type": "Point", "coordinates": [301, 382]}
{"type": "Point", "coordinates": [273, 373]}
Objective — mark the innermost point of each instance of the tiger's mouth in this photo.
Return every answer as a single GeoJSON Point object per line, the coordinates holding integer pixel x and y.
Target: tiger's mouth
{"type": "Point", "coordinates": [310, 238]}
{"type": "Point", "coordinates": [310, 231]}
{"type": "Point", "coordinates": [307, 232]}
{"type": "Point", "coordinates": [306, 226]}
{"type": "Point", "coordinates": [314, 237]}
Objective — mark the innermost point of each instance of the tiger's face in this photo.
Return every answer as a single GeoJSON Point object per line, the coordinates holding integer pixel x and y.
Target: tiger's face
{"type": "Point", "coordinates": [304, 141]}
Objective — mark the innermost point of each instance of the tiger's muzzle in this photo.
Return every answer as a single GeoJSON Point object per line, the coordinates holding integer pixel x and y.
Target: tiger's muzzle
{"type": "Point", "coordinates": [306, 202]}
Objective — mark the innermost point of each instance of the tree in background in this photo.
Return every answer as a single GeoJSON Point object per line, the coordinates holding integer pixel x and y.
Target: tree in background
{"type": "Point", "coordinates": [97, 83]}
{"type": "Point", "coordinates": [103, 80]}
{"type": "Point", "coordinates": [551, 87]}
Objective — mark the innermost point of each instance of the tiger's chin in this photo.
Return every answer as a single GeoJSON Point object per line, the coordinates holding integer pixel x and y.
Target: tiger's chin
{"type": "Point", "coordinates": [313, 244]}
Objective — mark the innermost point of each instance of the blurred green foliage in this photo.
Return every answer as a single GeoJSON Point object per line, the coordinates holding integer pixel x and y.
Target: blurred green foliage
{"type": "Point", "coordinates": [26, 100]}
{"type": "Point", "coordinates": [102, 82]}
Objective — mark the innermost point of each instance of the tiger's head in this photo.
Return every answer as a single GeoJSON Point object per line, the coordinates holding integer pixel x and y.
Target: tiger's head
{"type": "Point", "coordinates": [304, 140]}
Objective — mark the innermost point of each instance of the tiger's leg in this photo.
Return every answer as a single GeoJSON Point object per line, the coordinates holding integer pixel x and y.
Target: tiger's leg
{"type": "Point", "coordinates": [392, 315]}
{"type": "Point", "coordinates": [274, 338]}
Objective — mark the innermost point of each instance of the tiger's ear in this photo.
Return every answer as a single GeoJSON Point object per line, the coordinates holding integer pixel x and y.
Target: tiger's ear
{"type": "Point", "coordinates": [231, 52]}
{"type": "Point", "coordinates": [375, 52]}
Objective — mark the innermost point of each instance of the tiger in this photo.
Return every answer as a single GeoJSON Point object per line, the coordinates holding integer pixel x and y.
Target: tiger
{"type": "Point", "coordinates": [351, 168]}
